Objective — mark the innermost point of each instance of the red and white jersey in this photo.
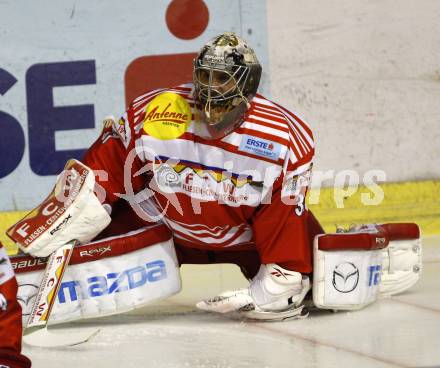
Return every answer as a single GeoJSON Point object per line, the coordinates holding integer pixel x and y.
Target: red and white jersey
{"type": "Point", "coordinates": [235, 192]}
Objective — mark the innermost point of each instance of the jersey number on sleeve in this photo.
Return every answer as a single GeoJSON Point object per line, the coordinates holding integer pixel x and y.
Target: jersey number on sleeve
{"type": "Point", "coordinates": [299, 209]}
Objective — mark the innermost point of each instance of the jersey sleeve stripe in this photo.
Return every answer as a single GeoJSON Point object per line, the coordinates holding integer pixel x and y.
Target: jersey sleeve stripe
{"type": "Point", "coordinates": [140, 100]}
{"type": "Point", "coordinates": [299, 147]}
{"type": "Point", "coordinates": [293, 156]}
{"type": "Point", "coordinates": [139, 106]}
{"type": "Point", "coordinates": [263, 102]}
{"type": "Point", "coordinates": [268, 124]}
{"type": "Point", "coordinates": [262, 110]}
{"type": "Point", "coordinates": [300, 131]}
{"type": "Point", "coordinates": [285, 123]}
{"type": "Point", "coordinates": [295, 149]}
{"type": "Point", "coordinates": [301, 169]}
{"type": "Point", "coordinates": [265, 132]}
{"type": "Point", "coordinates": [183, 88]}
{"type": "Point", "coordinates": [281, 122]}
{"type": "Point", "coordinates": [304, 127]}
{"type": "Point", "coordinates": [298, 138]}
{"type": "Point", "coordinates": [304, 134]}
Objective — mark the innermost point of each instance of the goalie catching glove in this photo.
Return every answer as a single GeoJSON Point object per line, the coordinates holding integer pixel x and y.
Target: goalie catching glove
{"type": "Point", "coordinates": [274, 294]}
{"type": "Point", "coordinates": [71, 211]}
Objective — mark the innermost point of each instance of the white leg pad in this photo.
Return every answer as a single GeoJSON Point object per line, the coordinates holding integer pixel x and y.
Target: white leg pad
{"type": "Point", "coordinates": [401, 266]}
{"type": "Point", "coordinates": [110, 276]}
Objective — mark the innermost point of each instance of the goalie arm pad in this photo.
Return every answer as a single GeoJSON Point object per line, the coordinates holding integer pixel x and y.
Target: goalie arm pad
{"type": "Point", "coordinates": [71, 211]}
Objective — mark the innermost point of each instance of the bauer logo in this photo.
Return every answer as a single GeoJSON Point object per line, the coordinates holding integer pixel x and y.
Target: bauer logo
{"type": "Point", "coordinates": [260, 147]}
{"type": "Point", "coordinates": [27, 264]}
{"type": "Point", "coordinates": [345, 277]}
{"type": "Point", "coordinates": [114, 282]}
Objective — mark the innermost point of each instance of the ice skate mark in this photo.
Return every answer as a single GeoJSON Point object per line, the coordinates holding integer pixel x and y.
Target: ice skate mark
{"type": "Point", "coordinates": [315, 342]}
{"type": "Point", "coordinates": [415, 305]}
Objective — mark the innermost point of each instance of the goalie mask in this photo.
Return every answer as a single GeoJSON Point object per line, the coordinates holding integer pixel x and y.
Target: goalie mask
{"type": "Point", "coordinates": [226, 78]}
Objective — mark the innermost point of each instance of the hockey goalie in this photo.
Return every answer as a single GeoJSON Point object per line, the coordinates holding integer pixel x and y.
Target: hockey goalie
{"type": "Point", "coordinates": [207, 172]}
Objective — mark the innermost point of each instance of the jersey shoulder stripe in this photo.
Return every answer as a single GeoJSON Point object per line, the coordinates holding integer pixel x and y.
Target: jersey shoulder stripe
{"type": "Point", "coordinates": [141, 101]}
{"type": "Point", "coordinates": [300, 135]}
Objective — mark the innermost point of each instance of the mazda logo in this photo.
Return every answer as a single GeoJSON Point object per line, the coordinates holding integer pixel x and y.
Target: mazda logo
{"type": "Point", "coordinates": [345, 277]}
{"type": "Point", "coordinates": [26, 295]}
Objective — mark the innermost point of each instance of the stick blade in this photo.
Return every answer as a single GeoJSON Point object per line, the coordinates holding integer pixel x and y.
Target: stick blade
{"type": "Point", "coordinates": [44, 338]}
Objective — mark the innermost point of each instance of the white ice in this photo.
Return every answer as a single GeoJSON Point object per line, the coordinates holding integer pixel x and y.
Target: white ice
{"type": "Point", "coordinates": [403, 331]}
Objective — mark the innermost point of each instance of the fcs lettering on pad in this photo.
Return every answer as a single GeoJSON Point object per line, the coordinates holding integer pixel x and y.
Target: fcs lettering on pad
{"type": "Point", "coordinates": [260, 147]}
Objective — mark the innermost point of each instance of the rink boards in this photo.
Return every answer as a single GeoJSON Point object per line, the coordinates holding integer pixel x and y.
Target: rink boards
{"type": "Point", "coordinates": [417, 202]}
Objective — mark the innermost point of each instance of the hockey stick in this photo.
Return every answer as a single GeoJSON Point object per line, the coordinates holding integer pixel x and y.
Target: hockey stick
{"type": "Point", "coordinates": [36, 332]}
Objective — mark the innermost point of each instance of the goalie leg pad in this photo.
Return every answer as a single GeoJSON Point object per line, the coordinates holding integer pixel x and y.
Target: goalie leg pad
{"type": "Point", "coordinates": [347, 269]}
{"type": "Point", "coordinates": [353, 269]}
{"type": "Point", "coordinates": [402, 259]}
{"type": "Point", "coordinates": [110, 276]}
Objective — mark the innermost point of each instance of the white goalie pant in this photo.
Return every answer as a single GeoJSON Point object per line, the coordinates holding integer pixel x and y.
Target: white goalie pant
{"type": "Point", "coordinates": [353, 269]}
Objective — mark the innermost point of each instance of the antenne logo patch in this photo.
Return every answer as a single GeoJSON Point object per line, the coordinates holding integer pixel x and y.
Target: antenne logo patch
{"type": "Point", "coordinates": [167, 116]}
{"type": "Point", "coordinates": [260, 147]}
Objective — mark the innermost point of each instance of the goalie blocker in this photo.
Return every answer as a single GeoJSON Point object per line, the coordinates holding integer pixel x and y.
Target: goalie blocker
{"type": "Point", "coordinates": [353, 269]}
{"type": "Point", "coordinates": [72, 205]}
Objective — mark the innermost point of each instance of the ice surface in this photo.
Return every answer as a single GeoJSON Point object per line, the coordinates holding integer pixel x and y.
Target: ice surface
{"type": "Point", "coordinates": [403, 331]}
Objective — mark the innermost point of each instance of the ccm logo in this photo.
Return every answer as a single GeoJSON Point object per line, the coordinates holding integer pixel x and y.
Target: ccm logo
{"type": "Point", "coordinates": [96, 251]}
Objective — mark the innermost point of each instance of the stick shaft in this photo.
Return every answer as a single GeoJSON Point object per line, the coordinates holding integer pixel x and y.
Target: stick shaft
{"type": "Point", "coordinates": [50, 284]}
